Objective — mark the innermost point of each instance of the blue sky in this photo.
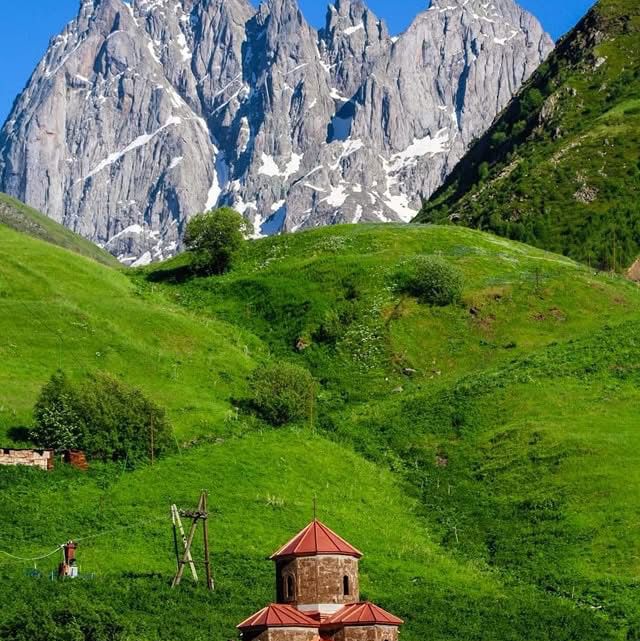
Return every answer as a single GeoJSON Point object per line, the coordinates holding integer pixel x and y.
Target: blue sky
{"type": "Point", "coordinates": [30, 24]}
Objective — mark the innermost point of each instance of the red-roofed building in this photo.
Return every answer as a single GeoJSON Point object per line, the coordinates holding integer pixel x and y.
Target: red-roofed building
{"type": "Point", "coordinates": [363, 614]}
{"type": "Point", "coordinates": [316, 539]}
{"type": "Point", "coordinates": [277, 615]}
{"type": "Point", "coordinates": [318, 595]}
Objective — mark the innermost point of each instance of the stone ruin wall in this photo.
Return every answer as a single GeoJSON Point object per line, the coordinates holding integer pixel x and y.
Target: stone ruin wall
{"type": "Point", "coordinates": [42, 459]}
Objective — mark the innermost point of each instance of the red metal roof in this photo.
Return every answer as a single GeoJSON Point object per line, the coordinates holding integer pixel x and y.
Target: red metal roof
{"type": "Point", "coordinates": [278, 616]}
{"type": "Point", "coordinates": [316, 538]}
{"type": "Point", "coordinates": [362, 614]}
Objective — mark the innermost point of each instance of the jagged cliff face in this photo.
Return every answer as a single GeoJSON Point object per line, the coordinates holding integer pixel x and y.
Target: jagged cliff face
{"type": "Point", "coordinates": [142, 115]}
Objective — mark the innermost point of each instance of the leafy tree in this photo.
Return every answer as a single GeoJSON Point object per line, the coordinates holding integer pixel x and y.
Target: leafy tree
{"type": "Point", "coordinates": [431, 279]}
{"type": "Point", "coordinates": [283, 393]}
{"type": "Point", "coordinates": [120, 422]}
{"type": "Point", "coordinates": [57, 423]}
{"type": "Point", "coordinates": [102, 416]}
{"type": "Point", "coordinates": [519, 128]}
{"type": "Point", "coordinates": [498, 138]}
{"type": "Point", "coordinates": [215, 239]}
{"type": "Point", "coordinates": [483, 170]}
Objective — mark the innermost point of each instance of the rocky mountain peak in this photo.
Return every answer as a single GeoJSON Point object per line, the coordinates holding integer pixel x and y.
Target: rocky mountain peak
{"type": "Point", "coordinates": [351, 41]}
{"type": "Point", "coordinates": [141, 115]}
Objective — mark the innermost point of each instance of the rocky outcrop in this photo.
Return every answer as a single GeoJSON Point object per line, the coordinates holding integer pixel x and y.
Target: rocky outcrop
{"type": "Point", "coordinates": [142, 115]}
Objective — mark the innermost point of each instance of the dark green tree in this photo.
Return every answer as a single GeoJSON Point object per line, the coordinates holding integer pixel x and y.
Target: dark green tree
{"type": "Point", "coordinates": [215, 239]}
{"type": "Point", "coordinates": [483, 170]}
{"type": "Point", "coordinates": [57, 422]}
{"type": "Point", "coordinates": [104, 417]}
{"type": "Point", "coordinates": [120, 422]}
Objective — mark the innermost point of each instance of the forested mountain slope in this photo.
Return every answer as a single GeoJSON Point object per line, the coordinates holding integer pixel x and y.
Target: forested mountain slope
{"type": "Point", "coordinates": [559, 168]}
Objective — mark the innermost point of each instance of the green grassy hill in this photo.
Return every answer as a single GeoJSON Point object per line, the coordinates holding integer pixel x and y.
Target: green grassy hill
{"type": "Point", "coordinates": [20, 217]}
{"type": "Point", "coordinates": [327, 298]}
{"type": "Point", "coordinates": [559, 168]}
{"type": "Point", "coordinates": [483, 456]}
{"type": "Point", "coordinates": [517, 428]}
{"type": "Point", "coordinates": [61, 310]}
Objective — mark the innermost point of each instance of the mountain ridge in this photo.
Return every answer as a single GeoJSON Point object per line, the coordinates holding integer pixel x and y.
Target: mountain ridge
{"type": "Point", "coordinates": [141, 115]}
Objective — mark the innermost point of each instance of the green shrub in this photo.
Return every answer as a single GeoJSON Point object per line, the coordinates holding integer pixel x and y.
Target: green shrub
{"type": "Point", "coordinates": [215, 239]}
{"type": "Point", "coordinates": [283, 393]}
{"type": "Point", "coordinates": [120, 422]}
{"type": "Point", "coordinates": [519, 128]}
{"type": "Point", "coordinates": [107, 419]}
{"type": "Point", "coordinates": [498, 138]}
{"type": "Point", "coordinates": [432, 280]}
{"type": "Point", "coordinates": [531, 102]}
{"type": "Point", "coordinates": [57, 423]}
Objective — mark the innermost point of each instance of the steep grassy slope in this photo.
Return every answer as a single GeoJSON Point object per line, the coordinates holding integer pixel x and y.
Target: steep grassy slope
{"type": "Point", "coordinates": [559, 168]}
{"type": "Point", "coordinates": [22, 218]}
{"type": "Point", "coordinates": [531, 468]}
{"type": "Point", "coordinates": [327, 298]}
{"type": "Point", "coordinates": [483, 456]}
{"type": "Point", "coordinates": [519, 428]}
{"type": "Point", "coordinates": [261, 492]}
{"type": "Point", "coordinates": [58, 309]}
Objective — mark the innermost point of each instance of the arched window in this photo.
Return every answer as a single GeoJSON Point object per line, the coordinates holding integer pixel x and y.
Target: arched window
{"type": "Point", "coordinates": [290, 589]}
{"type": "Point", "coordinates": [346, 588]}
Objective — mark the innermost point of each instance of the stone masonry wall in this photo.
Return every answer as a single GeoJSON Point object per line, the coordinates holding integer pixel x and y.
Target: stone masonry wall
{"type": "Point", "coordinates": [283, 634]}
{"type": "Point", "coordinates": [42, 459]}
{"type": "Point", "coordinates": [366, 633]}
{"type": "Point", "coordinates": [318, 579]}
{"type": "Point", "coordinates": [292, 634]}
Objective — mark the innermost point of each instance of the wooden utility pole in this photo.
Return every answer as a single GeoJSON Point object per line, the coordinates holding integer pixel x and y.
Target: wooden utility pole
{"type": "Point", "coordinates": [178, 527]}
{"type": "Point", "coordinates": [205, 530]}
{"type": "Point", "coordinates": [153, 448]}
{"type": "Point", "coordinates": [197, 515]}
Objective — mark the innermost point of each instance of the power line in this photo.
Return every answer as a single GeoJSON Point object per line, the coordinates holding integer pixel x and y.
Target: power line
{"type": "Point", "coordinates": [85, 538]}
{"type": "Point", "coordinates": [119, 529]}
{"type": "Point", "coordinates": [34, 558]}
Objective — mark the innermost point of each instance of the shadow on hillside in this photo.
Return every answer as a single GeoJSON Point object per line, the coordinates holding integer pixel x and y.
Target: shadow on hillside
{"type": "Point", "coordinates": [144, 575]}
{"type": "Point", "coordinates": [172, 275]}
{"type": "Point", "coordinates": [20, 434]}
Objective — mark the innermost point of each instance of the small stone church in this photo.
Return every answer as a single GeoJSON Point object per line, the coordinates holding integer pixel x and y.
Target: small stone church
{"type": "Point", "coordinates": [318, 595]}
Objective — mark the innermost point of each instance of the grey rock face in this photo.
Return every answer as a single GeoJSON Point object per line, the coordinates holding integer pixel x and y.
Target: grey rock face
{"type": "Point", "coordinates": [141, 115]}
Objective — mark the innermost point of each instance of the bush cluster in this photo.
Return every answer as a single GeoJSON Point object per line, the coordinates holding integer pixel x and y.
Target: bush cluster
{"type": "Point", "coordinates": [283, 393]}
{"type": "Point", "coordinates": [102, 416]}
{"type": "Point", "coordinates": [432, 280]}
